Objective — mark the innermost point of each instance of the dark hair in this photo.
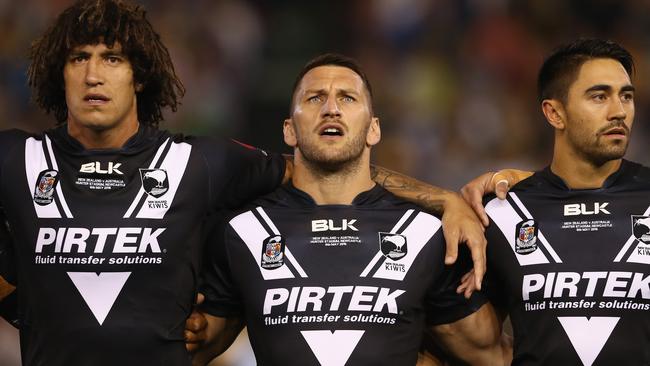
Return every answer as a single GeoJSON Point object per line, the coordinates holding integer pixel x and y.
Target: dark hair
{"type": "Point", "coordinates": [561, 68]}
{"type": "Point", "coordinates": [331, 59]}
{"type": "Point", "coordinates": [90, 22]}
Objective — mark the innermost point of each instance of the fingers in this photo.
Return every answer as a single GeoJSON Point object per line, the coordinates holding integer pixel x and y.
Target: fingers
{"type": "Point", "coordinates": [199, 299]}
{"type": "Point", "coordinates": [501, 183]}
{"type": "Point", "coordinates": [478, 257]}
{"type": "Point", "coordinates": [473, 193]}
{"type": "Point", "coordinates": [452, 242]}
{"type": "Point", "coordinates": [194, 333]}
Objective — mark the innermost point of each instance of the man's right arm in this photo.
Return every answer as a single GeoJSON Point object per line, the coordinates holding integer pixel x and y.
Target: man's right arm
{"type": "Point", "coordinates": [476, 339]}
{"type": "Point", "coordinates": [220, 333]}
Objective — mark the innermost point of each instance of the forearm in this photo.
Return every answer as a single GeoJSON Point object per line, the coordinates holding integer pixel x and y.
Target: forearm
{"type": "Point", "coordinates": [432, 198]}
{"type": "Point", "coordinates": [476, 339]}
{"type": "Point", "coordinates": [221, 332]}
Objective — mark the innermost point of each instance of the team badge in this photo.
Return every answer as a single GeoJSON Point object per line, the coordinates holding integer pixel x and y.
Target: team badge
{"type": "Point", "coordinates": [45, 184]}
{"type": "Point", "coordinates": [273, 252]}
{"type": "Point", "coordinates": [154, 182]}
{"type": "Point", "coordinates": [641, 228]}
{"type": "Point", "coordinates": [393, 246]}
{"type": "Point", "coordinates": [526, 237]}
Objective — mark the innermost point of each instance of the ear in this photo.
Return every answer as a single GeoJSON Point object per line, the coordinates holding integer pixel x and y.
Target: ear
{"type": "Point", "coordinates": [289, 133]}
{"type": "Point", "coordinates": [554, 112]}
{"type": "Point", "coordinates": [374, 132]}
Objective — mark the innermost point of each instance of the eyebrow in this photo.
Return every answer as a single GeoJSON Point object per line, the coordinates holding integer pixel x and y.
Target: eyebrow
{"type": "Point", "coordinates": [608, 88]}
{"type": "Point", "coordinates": [338, 91]}
{"type": "Point", "coordinates": [107, 52]}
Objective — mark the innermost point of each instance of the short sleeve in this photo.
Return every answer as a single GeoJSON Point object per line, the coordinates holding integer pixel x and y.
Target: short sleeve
{"type": "Point", "coordinates": [253, 173]}
{"type": "Point", "coordinates": [493, 286]}
{"type": "Point", "coordinates": [444, 305]}
{"type": "Point", "coordinates": [221, 295]}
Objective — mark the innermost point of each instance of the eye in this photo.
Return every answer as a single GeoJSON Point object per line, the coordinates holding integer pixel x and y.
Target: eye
{"type": "Point", "coordinates": [628, 97]}
{"type": "Point", "coordinates": [78, 59]}
{"type": "Point", "coordinates": [113, 60]}
{"type": "Point", "coordinates": [314, 99]}
{"type": "Point", "coordinates": [599, 97]}
{"type": "Point", "coordinates": [348, 99]}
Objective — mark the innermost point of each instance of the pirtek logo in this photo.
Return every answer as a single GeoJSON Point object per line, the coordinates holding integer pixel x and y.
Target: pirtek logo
{"type": "Point", "coordinates": [354, 298]}
{"type": "Point", "coordinates": [121, 240]}
{"type": "Point", "coordinates": [328, 225]}
{"type": "Point", "coordinates": [576, 209]}
{"type": "Point", "coordinates": [113, 168]}
{"type": "Point", "coordinates": [586, 284]}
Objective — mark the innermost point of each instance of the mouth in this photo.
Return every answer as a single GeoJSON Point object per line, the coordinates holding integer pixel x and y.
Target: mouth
{"type": "Point", "coordinates": [331, 130]}
{"type": "Point", "coordinates": [96, 99]}
{"type": "Point", "coordinates": [615, 132]}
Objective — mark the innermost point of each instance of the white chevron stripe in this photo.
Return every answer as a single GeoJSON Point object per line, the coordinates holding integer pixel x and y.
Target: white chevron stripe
{"type": "Point", "coordinates": [138, 196]}
{"type": "Point", "coordinates": [418, 234]}
{"type": "Point", "coordinates": [287, 252]}
{"type": "Point", "coordinates": [540, 234]}
{"type": "Point", "coordinates": [506, 219]}
{"type": "Point", "coordinates": [253, 234]}
{"type": "Point", "coordinates": [35, 163]}
{"type": "Point", "coordinates": [378, 256]}
{"type": "Point", "coordinates": [59, 191]}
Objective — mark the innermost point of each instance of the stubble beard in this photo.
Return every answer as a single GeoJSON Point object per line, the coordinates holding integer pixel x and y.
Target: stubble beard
{"type": "Point", "coordinates": [598, 152]}
{"type": "Point", "coordinates": [344, 161]}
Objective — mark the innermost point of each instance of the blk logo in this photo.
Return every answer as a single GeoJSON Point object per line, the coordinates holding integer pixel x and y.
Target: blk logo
{"type": "Point", "coordinates": [96, 167]}
{"type": "Point", "coordinates": [576, 209]}
{"type": "Point", "coordinates": [330, 225]}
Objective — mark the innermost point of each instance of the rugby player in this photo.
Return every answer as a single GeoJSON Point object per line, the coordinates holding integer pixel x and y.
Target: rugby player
{"type": "Point", "coordinates": [106, 214]}
{"type": "Point", "coordinates": [332, 269]}
{"type": "Point", "coordinates": [569, 246]}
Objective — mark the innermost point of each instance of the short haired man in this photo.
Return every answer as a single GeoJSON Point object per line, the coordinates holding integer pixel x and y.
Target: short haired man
{"type": "Point", "coordinates": [332, 269]}
{"type": "Point", "coordinates": [106, 214]}
{"type": "Point", "coordinates": [568, 249]}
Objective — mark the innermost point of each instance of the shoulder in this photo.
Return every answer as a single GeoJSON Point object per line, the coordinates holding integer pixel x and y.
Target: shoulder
{"type": "Point", "coordinates": [388, 201]}
{"type": "Point", "coordinates": [11, 139]}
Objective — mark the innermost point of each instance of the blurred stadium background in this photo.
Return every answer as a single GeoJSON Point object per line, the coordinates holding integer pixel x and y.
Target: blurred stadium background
{"type": "Point", "coordinates": [454, 80]}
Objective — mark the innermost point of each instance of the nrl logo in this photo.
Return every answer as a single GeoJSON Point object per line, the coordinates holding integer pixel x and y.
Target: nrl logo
{"type": "Point", "coordinates": [45, 185]}
{"type": "Point", "coordinates": [393, 246]}
{"type": "Point", "coordinates": [526, 237]}
{"type": "Point", "coordinates": [154, 182]}
{"type": "Point", "coordinates": [273, 252]}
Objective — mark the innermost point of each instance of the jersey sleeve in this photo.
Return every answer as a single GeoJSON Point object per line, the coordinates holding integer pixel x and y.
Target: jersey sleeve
{"type": "Point", "coordinates": [444, 305]}
{"type": "Point", "coordinates": [221, 295]}
{"type": "Point", "coordinates": [8, 140]}
{"type": "Point", "coordinates": [492, 284]}
{"type": "Point", "coordinates": [252, 173]}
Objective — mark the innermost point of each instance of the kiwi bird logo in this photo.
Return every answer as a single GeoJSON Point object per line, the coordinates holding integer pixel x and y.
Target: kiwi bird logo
{"type": "Point", "coordinates": [393, 246]}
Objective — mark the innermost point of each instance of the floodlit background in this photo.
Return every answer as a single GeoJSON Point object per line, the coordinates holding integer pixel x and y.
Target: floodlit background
{"type": "Point", "coordinates": [454, 80]}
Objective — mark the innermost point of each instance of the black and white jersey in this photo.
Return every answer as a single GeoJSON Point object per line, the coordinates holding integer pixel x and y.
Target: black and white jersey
{"type": "Point", "coordinates": [571, 269]}
{"type": "Point", "coordinates": [334, 284]}
{"type": "Point", "coordinates": [106, 243]}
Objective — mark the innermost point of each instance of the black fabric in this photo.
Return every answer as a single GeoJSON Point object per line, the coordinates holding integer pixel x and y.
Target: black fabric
{"type": "Point", "coordinates": [577, 285]}
{"type": "Point", "coordinates": [106, 244]}
{"type": "Point", "coordinates": [9, 309]}
{"type": "Point", "coordinates": [320, 286]}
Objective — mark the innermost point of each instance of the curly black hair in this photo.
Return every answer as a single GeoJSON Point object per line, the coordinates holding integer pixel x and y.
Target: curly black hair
{"type": "Point", "coordinates": [90, 22]}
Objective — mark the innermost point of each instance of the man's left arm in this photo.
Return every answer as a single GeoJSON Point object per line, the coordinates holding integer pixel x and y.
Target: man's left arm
{"type": "Point", "coordinates": [459, 222]}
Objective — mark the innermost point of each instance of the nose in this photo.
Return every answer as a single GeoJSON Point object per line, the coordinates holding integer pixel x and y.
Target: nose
{"type": "Point", "coordinates": [93, 75]}
{"type": "Point", "coordinates": [617, 109]}
{"type": "Point", "coordinates": [331, 108]}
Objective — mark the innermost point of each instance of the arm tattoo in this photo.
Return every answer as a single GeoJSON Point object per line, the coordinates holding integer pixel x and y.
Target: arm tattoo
{"type": "Point", "coordinates": [430, 197]}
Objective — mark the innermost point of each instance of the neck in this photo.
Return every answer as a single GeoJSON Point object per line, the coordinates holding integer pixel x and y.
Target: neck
{"type": "Point", "coordinates": [579, 173]}
{"type": "Point", "coordinates": [112, 138]}
{"type": "Point", "coordinates": [337, 187]}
